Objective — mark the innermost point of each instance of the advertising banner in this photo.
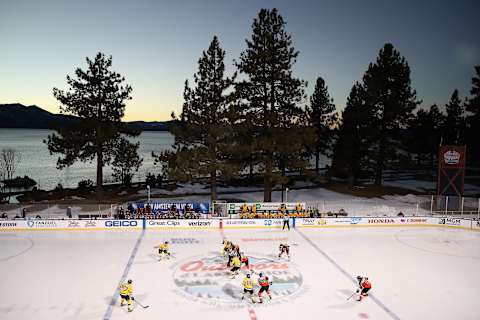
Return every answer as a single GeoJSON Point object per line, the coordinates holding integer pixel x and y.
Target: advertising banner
{"type": "Point", "coordinates": [163, 224]}
{"type": "Point", "coordinates": [451, 170]}
{"type": "Point", "coordinates": [261, 207]}
{"type": "Point", "coordinates": [165, 207]}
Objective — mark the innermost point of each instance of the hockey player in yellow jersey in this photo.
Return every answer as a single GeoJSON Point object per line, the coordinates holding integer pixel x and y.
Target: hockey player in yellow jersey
{"type": "Point", "coordinates": [236, 264]}
{"type": "Point", "coordinates": [227, 246]}
{"type": "Point", "coordinates": [126, 294]}
{"type": "Point", "coordinates": [248, 287]}
{"type": "Point", "coordinates": [164, 250]}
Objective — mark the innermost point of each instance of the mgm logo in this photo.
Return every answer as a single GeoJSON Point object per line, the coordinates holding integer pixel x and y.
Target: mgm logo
{"type": "Point", "coordinates": [206, 279]}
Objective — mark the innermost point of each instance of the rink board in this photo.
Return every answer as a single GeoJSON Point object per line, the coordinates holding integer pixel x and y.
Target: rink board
{"type": "Point", "coordinates": [415, 272]}
{"type": "Point", "coordinates": [209, 224]}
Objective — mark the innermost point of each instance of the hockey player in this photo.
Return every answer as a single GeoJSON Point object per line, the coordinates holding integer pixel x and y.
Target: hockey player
{"type": "Point", "coordinates": [163, 250]}
{"type": "Point", "coordinates": [231, 253]}
{"type": "Point", "coordinates": [226, 246]}
{"type": "Point", "coordinates": [264, 283]}
{"type": "Point", "coordinates": [284, 249]}
{"type": "Point", "coordinates": [126, 292]}
{"type": "Point", "coordinates": [235, 267]}
{"type": "Point", "coordinates": [248, 287]}
{"type": "Point", "coordinates": [364, 287]}
{"type": "Point", "coordinates": [286, 221]}
{"type": "Point", "coordinates": [244, 260]}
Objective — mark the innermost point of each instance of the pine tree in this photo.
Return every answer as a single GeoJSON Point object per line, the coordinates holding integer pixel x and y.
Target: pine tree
{"type": "Point", "coordinates": [425, 134]}
{"type": "Point", "coordinates": [125, 160]}
{"type": "Point", "coordinates": [272, 96]}
{"type": "Point", "coordinates": [454, 131]}
{"type": "Point", "coordinates": [392, 100]}
{"type": "Point", "coordinates": [97, 96]}
{"type": "Point", "coordinates": [351, 147]}
{"type": "Point", "coordinates": [473, 119]}
{"type": "Point", "coordinates": [322, 117]}
{"type": "Point", "coordinates": [203, 131]}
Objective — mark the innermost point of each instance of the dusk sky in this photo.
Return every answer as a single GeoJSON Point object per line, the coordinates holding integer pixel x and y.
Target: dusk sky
{"type": "Point", "coordinates": [156, 44]}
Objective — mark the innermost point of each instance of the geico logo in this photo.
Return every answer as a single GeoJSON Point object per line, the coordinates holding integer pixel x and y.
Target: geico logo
{"type": "Point", "coordinates": [121, 223]}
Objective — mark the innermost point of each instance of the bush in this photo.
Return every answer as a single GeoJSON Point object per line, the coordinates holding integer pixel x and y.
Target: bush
{"type": "Point", "coordinates": [151, 180]}
{"type": "Point", "coordinates": [85, 185]}
{"type": "Point", "coordinates": [159, 180]}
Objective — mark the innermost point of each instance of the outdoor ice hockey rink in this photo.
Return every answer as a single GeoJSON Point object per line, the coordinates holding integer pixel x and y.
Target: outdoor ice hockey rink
{"type": "Point", "coordinates": [416, 273]}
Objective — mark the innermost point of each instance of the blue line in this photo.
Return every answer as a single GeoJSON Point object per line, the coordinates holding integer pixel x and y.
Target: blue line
{"type": "Point", "coordinates": [345, 273]}
{"type": "Point", "coordinates": [113, 302]}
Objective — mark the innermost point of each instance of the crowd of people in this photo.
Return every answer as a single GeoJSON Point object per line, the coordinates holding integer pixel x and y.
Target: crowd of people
{"type": "Point", "coordinates": [250, 212]}
{"type": "Point", "coordinates": [148, 213]}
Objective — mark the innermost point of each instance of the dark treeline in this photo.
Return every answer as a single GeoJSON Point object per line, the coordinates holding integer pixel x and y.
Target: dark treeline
{"type": "Point", "coordinates": [258, 121]}
{"type": "Point", "coordinates": [265, 124]}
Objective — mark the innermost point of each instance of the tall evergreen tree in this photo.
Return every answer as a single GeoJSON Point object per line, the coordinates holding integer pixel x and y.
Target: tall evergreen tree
{"type": "Point", "coordinates": [473, 119]}
{"type": "Point", "coordinates": [125, 160]}
{"type": "Point", "coordinates": [351, 147]}
{"type": "Point", "coordinates": [272, 95]}
{"type": "Point", "coordinates": [321, 115]}
{"type": "Point", "coordinates": [425, 134]}
{"type": "Point", "coordinates": [455, 125]}
{"type": "Point", "coordinates": [202, 134]}
{"type": "Point", "coordinates": [390, 96]}
{"type": "Point", "coordinates": [97, 96]}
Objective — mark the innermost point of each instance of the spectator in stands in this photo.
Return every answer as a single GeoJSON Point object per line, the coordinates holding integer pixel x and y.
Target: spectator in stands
{"type": "Point", "coordinates": [4, 215]}
{"type": "Point", "coordinates": [400, 214]}
{"type": "Point", "coordinates": [254, 210]}
{"type": "Point", "coordinates": [24, 213]}
{"type": "Point", "coordinates": [298, 209]}
{"type": "Point", "coordinates": [148, 208]}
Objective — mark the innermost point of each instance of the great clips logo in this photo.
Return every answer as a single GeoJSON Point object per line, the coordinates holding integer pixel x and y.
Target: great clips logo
{"type": "Point", "coordinates": [206, 280]}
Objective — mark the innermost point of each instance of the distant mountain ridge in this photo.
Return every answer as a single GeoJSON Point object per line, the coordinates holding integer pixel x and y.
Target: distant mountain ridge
{"type": "Point", "coordinates": [16, 115]}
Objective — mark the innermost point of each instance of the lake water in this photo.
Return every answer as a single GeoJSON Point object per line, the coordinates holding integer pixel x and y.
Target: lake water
{"type": "Point", "coordinates": [37, 163]}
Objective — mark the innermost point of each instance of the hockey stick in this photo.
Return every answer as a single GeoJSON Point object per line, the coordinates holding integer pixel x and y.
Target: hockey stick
{"type": "Point", "coordinates": [351, 296]}
{"type": "Point", "coordinates": [141, 305]}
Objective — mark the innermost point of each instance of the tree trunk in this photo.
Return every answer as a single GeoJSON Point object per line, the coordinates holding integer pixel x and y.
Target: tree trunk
{"type": "Point", "coordinates": [317, 161]}
{"type": "Point", "coordinates": [213, 185]}
{"type": "Point", "coordinates": [99, 172]}
{"type": "Point", "coordinates": [380, 161]}
{"type": "Point", "coordinates": [250, 172]}
{"type": "Point", "coordinates": [267, 180]}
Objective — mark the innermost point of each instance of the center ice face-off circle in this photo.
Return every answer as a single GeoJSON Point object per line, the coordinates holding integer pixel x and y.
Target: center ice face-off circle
{"type": "Point", "coordinates": [206, 279]}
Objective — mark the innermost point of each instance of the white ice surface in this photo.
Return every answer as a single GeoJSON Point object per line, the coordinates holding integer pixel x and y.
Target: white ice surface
{"type": "Point", "coordinates": [416, 273]}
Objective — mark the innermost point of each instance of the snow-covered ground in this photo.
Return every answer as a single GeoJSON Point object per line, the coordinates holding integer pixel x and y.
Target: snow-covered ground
{"type": "Point", "coordinates": [427, 186]}
{"type": "Point", "coordinates": [323, 199]}
{"type": "Point", "coordinates": [416, 273]}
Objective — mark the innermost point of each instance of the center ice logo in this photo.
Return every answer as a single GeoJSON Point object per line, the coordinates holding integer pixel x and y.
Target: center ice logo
{"type": "Point", "coordinates": [206, 279]}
